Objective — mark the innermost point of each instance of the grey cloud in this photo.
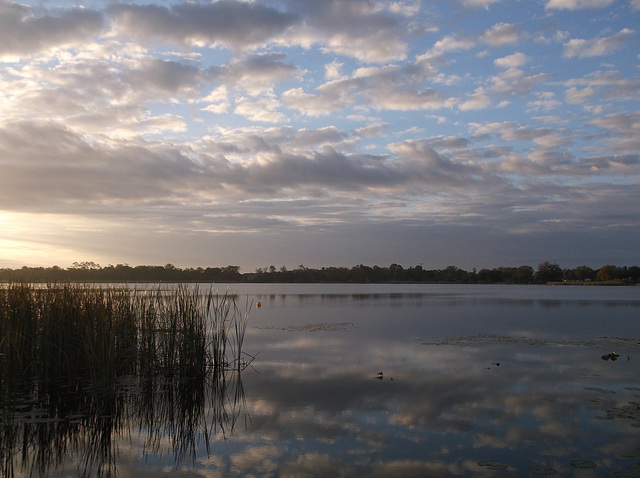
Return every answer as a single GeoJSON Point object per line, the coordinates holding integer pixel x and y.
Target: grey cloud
{"type": "Point", "coordinates": [327, 168]}
{"type": "Point", "coordinates": [23, 31]}
{"type": "Point", "coordinates": [356, 28]}
{"type": "Point", "coordinates": [233, 23]}
{"type": "Point", "coordinates": [610, 84]}
{"type": "Point", "coordinates": [392, 87]}
{"type": "Point", "coordinates": [419, 160]}
{"type": "Point", "coordinates": [255, 73]}
{"type": "Point", "coordinates": [516, 81]}
{"type": "Point", "coordinates": [165, 76]}
{"type": "Point", "coordinates": [501, 34]}
{"type": "Point", "coordinates": [610, 162]}
{"type": "Point", "coordinates": [371, 131]}
{"type": "Point", "coordinates": [598, 46]}
{"type": "Point", "coordinates": [623, 132]}
{"type": "Point", "coordinates": [451, 142]}
{"type": "Point", "coordinates": [326, 135]}
{"type": "Point", "coordinates": [57, 168]}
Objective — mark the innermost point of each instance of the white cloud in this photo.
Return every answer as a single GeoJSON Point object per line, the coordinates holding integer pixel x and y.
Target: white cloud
{"type": "Point", "coordinates": [516, 81]}
{"type": "Point", "coordinates": [236, 24]}
{"type": "Point", "coordinates": [359, 29]}
{"type": "Point", "coordinates": [609, 84]}
{"type": "Point", "coordinates": [479, 3]}
{"type": "Point", "coordinates": [576, 96]}
{"type": "Point", "coordinates": [501, 34]}
{"type": "Point", "coordinates": [309, 104]}
{"type": "Point", "coordinates": [262, 109]}
{"type": "Point", "coordinates": [598, 46]}
{"type": "Point", "coordinates": [512, 61]}
{"type": "Point", "coordinates": [452, 43]}
{"type": "Point", "coordinates": [332, 71]}
{"type": "Point", "coordinates": [577, 4]}
{"type": "Point", "coordinates": [478, 100]}
{"type": "Point", "coordinates": [23, 32]}
{"type": "Point", "coordinates": [256, 74]}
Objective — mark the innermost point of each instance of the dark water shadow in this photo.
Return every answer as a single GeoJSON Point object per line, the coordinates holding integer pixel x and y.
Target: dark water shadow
{"type": "Point", "coordinates": [43, 426]}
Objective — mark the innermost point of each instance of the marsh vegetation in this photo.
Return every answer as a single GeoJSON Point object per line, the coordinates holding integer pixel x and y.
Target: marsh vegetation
{"type": "Point", "coordinates": [82, 365]}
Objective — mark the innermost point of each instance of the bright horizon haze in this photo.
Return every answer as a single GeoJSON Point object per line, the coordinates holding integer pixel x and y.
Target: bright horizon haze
{"type": "Point", "coordinates": [474, 133]}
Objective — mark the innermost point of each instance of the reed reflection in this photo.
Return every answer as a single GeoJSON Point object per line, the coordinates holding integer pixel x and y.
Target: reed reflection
{"type": "Point", "coordinates": [83, 367]}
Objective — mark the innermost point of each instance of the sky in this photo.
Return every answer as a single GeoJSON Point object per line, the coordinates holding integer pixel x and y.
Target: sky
{"type": "Point", "coordinates": [474, 133]}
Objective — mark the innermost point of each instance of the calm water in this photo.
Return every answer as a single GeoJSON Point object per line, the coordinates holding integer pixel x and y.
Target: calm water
{"type": "Point", "coordinates": [419, 380]}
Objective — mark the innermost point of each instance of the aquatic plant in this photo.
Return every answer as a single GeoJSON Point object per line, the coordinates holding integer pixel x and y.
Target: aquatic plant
{"type": "Point", "coordinates": [80, 363]}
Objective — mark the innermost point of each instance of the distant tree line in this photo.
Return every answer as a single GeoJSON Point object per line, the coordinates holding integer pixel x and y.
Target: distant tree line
{"type": "Point", "coordinates": [92, 272]}
{"type": "Point", "coordinates": [545, 272]}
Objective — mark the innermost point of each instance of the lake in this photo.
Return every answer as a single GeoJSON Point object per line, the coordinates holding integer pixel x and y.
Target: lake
{"type": "Point", "coordinates": [411, 380]}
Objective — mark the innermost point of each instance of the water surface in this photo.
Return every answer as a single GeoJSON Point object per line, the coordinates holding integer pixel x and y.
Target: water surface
{"type": "Point", "coordinates": [421, 380]}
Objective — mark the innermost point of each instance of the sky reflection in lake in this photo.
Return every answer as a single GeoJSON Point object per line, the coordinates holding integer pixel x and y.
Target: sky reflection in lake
{"type": "Point", "coordinates": [416, 380]}
{"type": "Point", "coordinates": [474, 379]}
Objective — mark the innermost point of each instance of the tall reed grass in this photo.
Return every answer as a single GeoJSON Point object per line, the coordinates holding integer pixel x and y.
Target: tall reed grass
{"type": "Point", "coordinates": [97, 359]}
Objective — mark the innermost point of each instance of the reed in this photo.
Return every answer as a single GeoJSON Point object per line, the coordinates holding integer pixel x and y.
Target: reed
{"type": "Point", "coordinates": [69, 348]}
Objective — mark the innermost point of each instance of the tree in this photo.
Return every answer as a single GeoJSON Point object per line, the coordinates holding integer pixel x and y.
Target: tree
{"type": "Point", "coordinates": [584, 273]}
{"type": "Point", "coordinates": [548, 272]}
{"type": "Point", "coordinates": [608, 273]}
{"type": "Point", "coordinates": [523, 275]}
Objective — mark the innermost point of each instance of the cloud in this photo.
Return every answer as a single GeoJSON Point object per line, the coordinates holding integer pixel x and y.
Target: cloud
{"type": "Point", "coordinates": [165, 76]}
{"type": "Point", "coordinates": [478, 100]}
{"type": "Point", "coordinates": [312, 105]}
{"type": "Point", "coordinates": [259, 109]}
{"type": "Point", "coordinates": [452, 43]}
{"type": "Point", "coordinates": [623, 132]}
{"type": "Point", "coordinates": [501, 34]}
{"type": "Point", "coordinates": [577, 4]}
{"type": "Point", "coordinates": [479, 3]}
{"type": "Point", "coordinates": [359, 29]}
{"type": "Point", "coordinates": [256, 73]}
{"type": "Point", "coordinates": [235, 24]}
{"type": "Point", "coordinates": [516, 81]}
{"type": "Point", "coordinates": [510, 132]}
{"type": "Point", "coordinates": [609, 84]}
{"type": "Point", "coordinates": [575, 96]}
{"type": "Point", "coordinates": [599, 46]}
{"type": "Point", "coordinates": [23, 32]}
{"type": "Point", "coordinates": [203, 115]}
{"type": "Point", "coordinates": [512, 61]}
{"type": "Point", "coordinates": [392, 87]}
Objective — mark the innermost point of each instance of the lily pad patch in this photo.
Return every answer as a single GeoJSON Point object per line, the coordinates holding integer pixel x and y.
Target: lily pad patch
{"type": "Point", "coordinates": [542, 470]}
{"type": "Point", "coordinates": [493, 465]}
{"type": "Point", "coordinates": [582, 464]}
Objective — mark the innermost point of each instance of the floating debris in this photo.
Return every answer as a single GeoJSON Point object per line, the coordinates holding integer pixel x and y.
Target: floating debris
{"type": "Point", "coordinates": [493, 465]}
{"type": "Point", "coordinates": [582, 464]}
{"type": "Point", "coordinates": [322, 327]}
{"type": "Point", "coordinates": [542, 470]}
{"type": "Point", "coordinates": [599, 390]}
{"type": "Point", "coordinates": [463, 340]}
{"type": "Point", "coordinates": [611, 356]}
{"type": "Point", "coordinates": [630, 411]}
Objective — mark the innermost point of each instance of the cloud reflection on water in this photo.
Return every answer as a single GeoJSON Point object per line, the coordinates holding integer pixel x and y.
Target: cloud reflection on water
{"type": "Point", "coordinates": [449, 405]}
{"type": "Point", "coordinates": [316, 406]}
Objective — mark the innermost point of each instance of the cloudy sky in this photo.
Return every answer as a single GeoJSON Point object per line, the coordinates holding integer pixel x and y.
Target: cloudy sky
{"type": "Point", "coordinates": [475, 133]}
